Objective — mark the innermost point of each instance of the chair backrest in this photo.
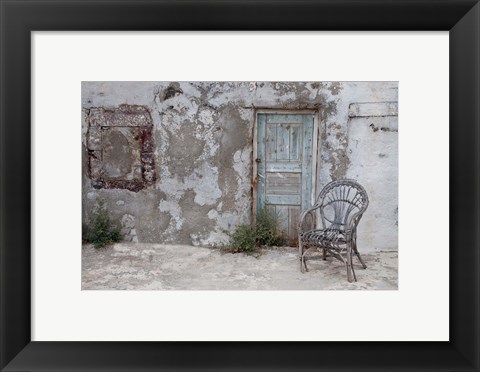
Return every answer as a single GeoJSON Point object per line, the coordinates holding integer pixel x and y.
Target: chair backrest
{"type": "Point", "coordinates": [342, 204]}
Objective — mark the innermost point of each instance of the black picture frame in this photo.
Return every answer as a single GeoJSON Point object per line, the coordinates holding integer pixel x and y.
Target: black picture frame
{"type": "Point", "coordinates": [18, 18]}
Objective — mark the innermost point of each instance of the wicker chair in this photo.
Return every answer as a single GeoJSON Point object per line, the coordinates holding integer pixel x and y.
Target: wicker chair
{"type": "Point", "coordinates": [339, 207]}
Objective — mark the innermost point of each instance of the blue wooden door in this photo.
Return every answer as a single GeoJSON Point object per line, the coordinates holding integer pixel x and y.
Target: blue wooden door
{"type": "Point", "coordinates": [284, 166]}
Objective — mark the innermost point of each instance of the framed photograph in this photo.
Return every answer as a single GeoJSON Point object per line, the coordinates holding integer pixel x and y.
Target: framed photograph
{"type": "Point", "coordinates": [192, 184]}
{"type": "Point", "coordinates": [186, 130]}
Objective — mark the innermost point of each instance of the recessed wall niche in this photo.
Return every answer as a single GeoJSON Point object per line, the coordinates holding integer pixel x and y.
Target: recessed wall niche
{"type": "Point", "coordinates": [120, 148]}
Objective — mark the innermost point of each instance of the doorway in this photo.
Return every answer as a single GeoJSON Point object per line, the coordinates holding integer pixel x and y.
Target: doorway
{"type": "Point", "coordinates": [284, 166]}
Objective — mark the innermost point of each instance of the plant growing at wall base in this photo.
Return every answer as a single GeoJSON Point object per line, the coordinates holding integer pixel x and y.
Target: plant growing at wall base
{"type": "Point", "coordinates": [265, 231]}
{"type": "Point", "coordinates": [101, 231]}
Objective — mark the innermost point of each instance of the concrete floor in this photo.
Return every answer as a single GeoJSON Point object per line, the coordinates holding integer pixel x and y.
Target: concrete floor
{"type": "Point", "coordinates": [137, 266]}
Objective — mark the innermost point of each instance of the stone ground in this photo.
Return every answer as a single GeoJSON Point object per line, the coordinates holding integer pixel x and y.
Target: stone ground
{"type": "Point", "coordinates": [137, 266]}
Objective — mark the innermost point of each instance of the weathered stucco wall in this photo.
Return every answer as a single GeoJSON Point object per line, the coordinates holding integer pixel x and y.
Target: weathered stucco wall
{"type": "Point", "coordinates": [179, 154]}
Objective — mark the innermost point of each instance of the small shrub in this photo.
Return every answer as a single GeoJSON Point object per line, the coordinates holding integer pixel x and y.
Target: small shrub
{"type": "Point", "coordinates": [265, 231]}
{"type": "Point", "coordinates": [101, 231]}
{"type": "Point", "coordinates": [243, 239]}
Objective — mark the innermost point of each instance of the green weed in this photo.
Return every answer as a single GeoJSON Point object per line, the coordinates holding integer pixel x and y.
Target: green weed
{"type": "Point", "coordinates": [101, 231]}
{"type": "Point", "coordinates": [248, 238]}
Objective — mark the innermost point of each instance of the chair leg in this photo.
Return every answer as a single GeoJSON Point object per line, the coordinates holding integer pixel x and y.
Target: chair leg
{"type": "Point", "coordinates": [360, 259]}
{"type": "Point", "coordinates": [358, 255]}
{"type": "Point", "coordinates": [353, 270]}
{"type": "Point", "coordinates": [324, 254]}
{"type": "Point", "coordinates": [300, 254]}
{"type": "Point", "coordinates": [349, 265]}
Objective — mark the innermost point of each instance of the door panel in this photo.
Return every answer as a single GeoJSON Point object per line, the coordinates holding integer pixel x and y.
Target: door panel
{"type": "Point", "coordinates": [285, 166]}
{"type": "Point", "coordinates": [283, 183]}
{"type": "Point", "coordinates": [282, 199]}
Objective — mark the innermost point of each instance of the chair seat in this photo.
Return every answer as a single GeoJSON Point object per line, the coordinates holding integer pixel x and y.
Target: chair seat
{"type": "Point", "coordinates": [328, 238]}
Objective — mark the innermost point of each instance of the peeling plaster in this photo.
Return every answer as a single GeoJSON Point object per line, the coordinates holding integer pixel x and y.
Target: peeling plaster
{"type": "Point", "coordinates": [172, 207]}
{"type": "Point", "coordinates": [205, 185]}
{"type": "Point", "coordinates": [242, 162]}
{"type": "Point", "coordinates": [335, 87]}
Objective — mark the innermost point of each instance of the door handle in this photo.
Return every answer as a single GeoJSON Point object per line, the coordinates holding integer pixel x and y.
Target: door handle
{"type": "Point", "coordinates": [258, 160]}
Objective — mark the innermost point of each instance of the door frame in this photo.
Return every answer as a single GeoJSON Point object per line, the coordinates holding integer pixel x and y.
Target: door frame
{"type": "Point", "coordinates": [315, 149]}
